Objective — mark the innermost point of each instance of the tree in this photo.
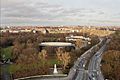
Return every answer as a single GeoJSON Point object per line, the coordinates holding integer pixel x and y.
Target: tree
{"type": "Point", "coordinates": [17, 50]}
{"type": "Point", "coordinates": [64, 57]}
{"type": "Point", "coordinates": [29, 43]}
{"type": "Point", "coordinates": [111, 64]}
{"type": "Point", "coordinates": [42, 56]}
{"type": "Point", "coordinates": [79, 43]}
{"type": "Point", "coordinates": [28, 56]}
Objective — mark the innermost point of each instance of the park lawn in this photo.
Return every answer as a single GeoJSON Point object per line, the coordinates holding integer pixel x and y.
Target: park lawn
{"type": "Point", "coordinates": [19, 67]}
{"type": "Point", "coordinates": [54, 61]}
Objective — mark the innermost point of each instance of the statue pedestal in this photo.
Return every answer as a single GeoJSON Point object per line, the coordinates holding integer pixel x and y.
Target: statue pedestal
{"type": "Point", "coordinates": [55, 69]}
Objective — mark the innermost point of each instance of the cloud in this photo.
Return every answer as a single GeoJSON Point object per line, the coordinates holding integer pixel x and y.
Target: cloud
{"type": "Point", "coordinates": [40, 11]}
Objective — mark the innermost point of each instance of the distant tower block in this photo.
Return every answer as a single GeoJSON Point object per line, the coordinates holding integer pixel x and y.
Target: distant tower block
{"type": "Point", "coordinates": [55, 69]}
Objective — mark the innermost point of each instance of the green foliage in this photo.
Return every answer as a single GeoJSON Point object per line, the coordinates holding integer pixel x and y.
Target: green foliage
{"type": "Point", "coordinates": [7, 52]}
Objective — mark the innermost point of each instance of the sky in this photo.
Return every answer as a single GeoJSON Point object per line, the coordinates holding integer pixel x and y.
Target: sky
{"type": "Point", "coordinates": [60, 12]}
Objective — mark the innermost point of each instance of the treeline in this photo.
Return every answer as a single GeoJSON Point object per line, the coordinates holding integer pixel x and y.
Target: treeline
{"type": "Point", "coordinates": [115, 41]}
{"type": "Point", "coordinates": [111, 58]}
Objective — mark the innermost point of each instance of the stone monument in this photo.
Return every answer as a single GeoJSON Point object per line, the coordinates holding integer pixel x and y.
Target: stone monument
{"type": "Point", "coordinates": [55, 69]}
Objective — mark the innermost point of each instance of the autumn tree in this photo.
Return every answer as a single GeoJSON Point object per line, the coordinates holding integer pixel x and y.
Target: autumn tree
{"type": "Point", "coordinates": [79, 43]}
{"type": "Point", "coordinates": [111, 64]}
{"type": "Point", "coordinates": [28, 56]}
{"type": "Point", "coordinates": [64, 57]}
{"type": "Point", "coordinates": [16, 50]}
{"type": "Point", "coordinates": [29, 43]}
{"type": "Point", "coordinates": [42, 56]}
{"type": "Point", "coordinates": [115, 41]}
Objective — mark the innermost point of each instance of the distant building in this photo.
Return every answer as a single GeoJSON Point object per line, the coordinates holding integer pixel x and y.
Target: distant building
{"type": "Point", "coordinates": [26, 30]}
{"type": "Point", "coordinates": [74, 38]}
{"type": "Point", "coordinates": [14, 31]}
{"type": "Point", "coordinates": [45, 31]}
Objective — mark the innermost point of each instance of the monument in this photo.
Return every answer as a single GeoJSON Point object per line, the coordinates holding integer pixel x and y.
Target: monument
{"type": "Point", "coordinates": [55, 69]}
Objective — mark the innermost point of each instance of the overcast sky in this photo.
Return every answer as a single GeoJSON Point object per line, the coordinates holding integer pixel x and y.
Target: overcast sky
{"type": "Point", "coordinates": [60, 12]}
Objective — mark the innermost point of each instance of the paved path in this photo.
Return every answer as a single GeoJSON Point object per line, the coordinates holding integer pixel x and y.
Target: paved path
{"type": "Point", "coordinates": [47, 79]}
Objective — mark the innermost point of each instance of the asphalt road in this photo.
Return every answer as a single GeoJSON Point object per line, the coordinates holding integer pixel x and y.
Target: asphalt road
{"type": "Point", "coordinates": [78, 71]}
{"type": "Point", "coordinates": [94, 72]}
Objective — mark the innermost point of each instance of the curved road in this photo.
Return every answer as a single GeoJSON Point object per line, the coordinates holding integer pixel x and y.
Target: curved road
{"type": "Point", "coordinates": [78, 71]}
{"type": "Point", "coordinates": [94, 71]}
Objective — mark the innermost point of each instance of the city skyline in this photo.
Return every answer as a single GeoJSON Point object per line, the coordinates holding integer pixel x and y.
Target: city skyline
{"type": "Point", "coordinates": [60, 12]}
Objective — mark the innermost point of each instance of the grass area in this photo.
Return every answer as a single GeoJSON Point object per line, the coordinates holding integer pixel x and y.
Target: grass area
{"type": "Point", "coordinates": [53, 61]}
{"type": "Point", "coordinates": [20, 67]}
{"type": "Point", "coordinates": [6, 52]}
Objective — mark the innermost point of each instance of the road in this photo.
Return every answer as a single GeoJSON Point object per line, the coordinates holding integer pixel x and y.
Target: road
{"type": "Point", "coordinates": [78, 71]}
{"type": "Point", "coordinates": [94, 71]}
